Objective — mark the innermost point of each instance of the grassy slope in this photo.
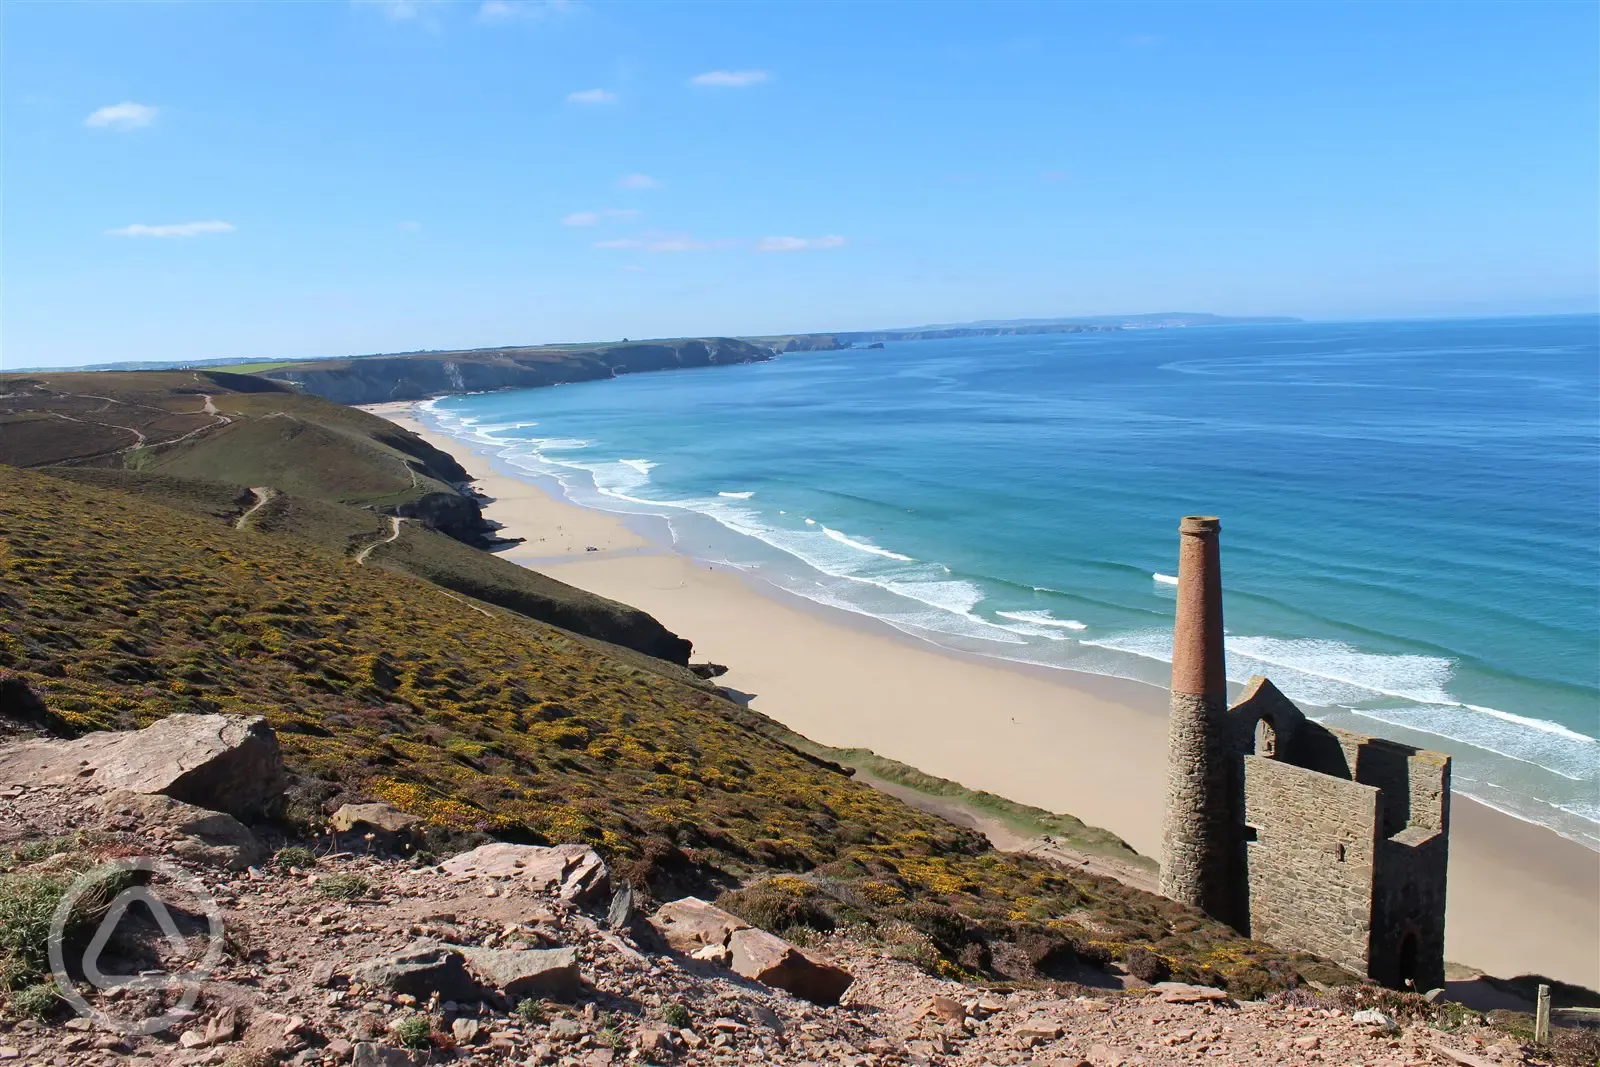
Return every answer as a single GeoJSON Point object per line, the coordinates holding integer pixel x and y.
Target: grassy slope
{"type": "Point", "coordinates": [329, 465]}
{"type": "Point", "coordinates": [119, 611]}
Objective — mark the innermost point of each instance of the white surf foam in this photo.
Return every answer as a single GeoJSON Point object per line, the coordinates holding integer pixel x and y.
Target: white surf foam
{"type": "Point", "coordinates": [740, 496]}
{"type": "Point", "coordinates": [1165, 579]}
{"type": "Point", "coordinates": [1042, 618]}
{"type": "Point", "coordinates": [863, 546]}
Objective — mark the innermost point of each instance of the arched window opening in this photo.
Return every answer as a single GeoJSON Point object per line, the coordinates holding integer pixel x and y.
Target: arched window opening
{"type": "Point", "coordinates": [1266, 737]}
{"type": "Point", "coordinates": [1407, 971]}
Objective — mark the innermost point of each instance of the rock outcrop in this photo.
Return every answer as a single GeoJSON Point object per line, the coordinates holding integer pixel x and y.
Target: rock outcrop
{"type": "Point", "coordinates": [212, 838]}
{"type": "Point", "coordinates": [706, 932]}
{"type": "Point", "coordinates": [227, 763]}
{"type": "Point", "coordinates": [387, 827]}
{"type": "Point", "coordinates": [575, 872]}
{"type": "Point", "coordinates": [526, 972]}
{"type": "Point", "coordinates": [422, 969]}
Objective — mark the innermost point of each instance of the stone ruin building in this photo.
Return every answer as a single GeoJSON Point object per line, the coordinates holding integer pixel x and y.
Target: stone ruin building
{"type": "Point", "coordinates": [1289, 831]}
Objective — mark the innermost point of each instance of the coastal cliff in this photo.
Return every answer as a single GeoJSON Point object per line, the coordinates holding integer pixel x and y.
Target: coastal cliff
{"type": "Point", "coordinates": [419, 375]}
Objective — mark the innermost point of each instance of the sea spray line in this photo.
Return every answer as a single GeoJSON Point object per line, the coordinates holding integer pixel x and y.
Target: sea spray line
{"type": "Point", "coordinates": [1042, 618]}
{"type": "Point", "coordinates": [952, 601]}
{"type": "Point", "coordinates": [864, 547]}
{"type": "Point", "coordinates": [740, 496]}
{"type": "Point", "coordinates": [1165, 579]}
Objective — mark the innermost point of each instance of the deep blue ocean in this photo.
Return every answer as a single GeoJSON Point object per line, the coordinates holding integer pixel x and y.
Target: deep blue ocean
{"type": "Point", "coordinates": [1409, 509]}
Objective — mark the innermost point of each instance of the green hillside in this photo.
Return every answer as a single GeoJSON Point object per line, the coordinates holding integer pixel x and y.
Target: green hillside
{"type": "Point", "coordinates": [119, 610]}
{"type": "Point", "coordinates": [203, 441]}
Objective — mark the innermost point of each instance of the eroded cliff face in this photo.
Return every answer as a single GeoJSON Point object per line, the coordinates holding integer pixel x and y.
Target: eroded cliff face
{"type": "Point", "coordinates": [376, 379]}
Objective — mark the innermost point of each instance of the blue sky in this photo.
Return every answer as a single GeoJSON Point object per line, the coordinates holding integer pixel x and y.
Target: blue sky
{"type": "Point", "coordinates": [196, 180]}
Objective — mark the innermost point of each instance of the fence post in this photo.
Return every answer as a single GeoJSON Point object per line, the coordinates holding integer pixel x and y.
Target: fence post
{"type": "Point", "coordinates": [1541, 1018]}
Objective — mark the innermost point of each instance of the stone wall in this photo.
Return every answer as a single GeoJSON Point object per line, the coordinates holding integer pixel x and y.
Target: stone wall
{"type": "Point", "coordinates": [1312, 863]}
{"type": "Point", "coordinates": [1409, 899]}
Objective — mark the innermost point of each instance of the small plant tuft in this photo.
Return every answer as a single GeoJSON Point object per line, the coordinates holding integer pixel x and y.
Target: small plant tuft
{"type": "Point", "coordinates": [295, 857]}
{"type": "Point", "coordinates": [531, 1011]}
{"type": "Point", "coordinates": [344, 886]}
{"type": "Point", "coordinates": [676, 1016]}
{"type": "Point", "coordinates": [414, 1031]}
{"type": "Point", "coordinates": [36, 1001]}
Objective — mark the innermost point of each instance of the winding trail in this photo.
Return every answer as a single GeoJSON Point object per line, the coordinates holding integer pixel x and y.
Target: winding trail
{"type": "Point", "coordinates": [394, 533]}
{"type": "Point", "coordinates": [263, 494]}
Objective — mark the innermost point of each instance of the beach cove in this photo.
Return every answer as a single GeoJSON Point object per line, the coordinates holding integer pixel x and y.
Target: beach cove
{"type": "Point", "coordinates": [1522, 898]}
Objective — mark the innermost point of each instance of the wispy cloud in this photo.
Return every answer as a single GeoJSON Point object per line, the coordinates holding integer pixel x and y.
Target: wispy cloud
{"type": "Point", "coordinates": [592, 96]}
{"type": "Point", "coordinates": [631, 267]}
{"type": "Point", "coordinates": [729, 79]}
{"type": "Point", "coordinates": [176, 229]}
{"type": "Point", "coordinates": [665, 242]}
{"type": "Point", "coordinates": [403, 10]}
{"type": "Point", "coordinates": [637, 181]}
{"type": "Point", "coordinates": [1055, 175]}
{"type": "Point", "coordinates": [409, 226]}
{"type": "Point", "coordinates": [594, 218]}
{"type": "Point", "coordinates": [799, 244]}
{"type": "Point", "coordinates": [124, 116]}
{"type": "Point", "coordinates": [524, 10]}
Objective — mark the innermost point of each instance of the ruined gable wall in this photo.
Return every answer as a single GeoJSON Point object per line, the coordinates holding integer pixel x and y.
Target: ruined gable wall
{"type": "Point", "coordinates": [1312, 863]}
{"type": "Point", "coordinates": [1410, 880]}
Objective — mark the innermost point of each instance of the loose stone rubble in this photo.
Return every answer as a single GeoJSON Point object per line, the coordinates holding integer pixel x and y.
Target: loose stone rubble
{"type": "Point", "coordinates": [503, 955]}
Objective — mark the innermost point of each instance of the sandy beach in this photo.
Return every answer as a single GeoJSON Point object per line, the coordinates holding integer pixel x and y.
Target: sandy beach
{"type": "Point", "coordinates": [1522, 899]}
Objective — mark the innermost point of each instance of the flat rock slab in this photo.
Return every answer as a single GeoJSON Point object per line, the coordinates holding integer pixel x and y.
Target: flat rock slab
{"type": "Point", "coordinates": [534, 972]}
{"type": "Point", "coordinates": [1183, 993]}
{"type": "Point", "coordinates": [575, 871]}
{"type": "Point", "coordinates": [227, 763]}
{"type": "Point", "coordinates": [213, 838]}
{"type": "Point", "coordinates": [421, 969]}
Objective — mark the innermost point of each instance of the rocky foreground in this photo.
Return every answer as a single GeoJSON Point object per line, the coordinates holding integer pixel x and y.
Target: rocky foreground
{"type": "Point", "coordinates": [344, 950]}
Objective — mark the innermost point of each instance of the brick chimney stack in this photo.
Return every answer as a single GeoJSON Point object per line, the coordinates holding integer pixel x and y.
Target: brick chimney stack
{"type": "Point", "coordinates": [1200, 839]}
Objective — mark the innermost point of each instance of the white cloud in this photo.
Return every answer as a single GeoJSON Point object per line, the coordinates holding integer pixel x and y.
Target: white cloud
{"type": "Point", "coordinates": [592, 96]}
{"type": "Point", "coordinates": [176, 229]}
{"type": "Point", "coordinates": [124, 116]}
{"type": "Point", "coordinates": [798, 244]}
{"type": "Point", "coordinates": [528, 10]}
{"type": "Point", "coordinates": [594, 218]}
{"type": "Point", "coordinates": [637, 181]}
{"type": "Point", "coordinates": [729, 79]}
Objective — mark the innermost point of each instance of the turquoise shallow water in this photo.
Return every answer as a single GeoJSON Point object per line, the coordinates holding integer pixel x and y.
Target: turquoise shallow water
{"type": "Point", "coordinates": [1409, 509]}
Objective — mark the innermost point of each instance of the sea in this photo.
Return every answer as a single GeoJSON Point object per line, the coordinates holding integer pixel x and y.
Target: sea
{"type": "Point", "coordinates": [1409, 509]}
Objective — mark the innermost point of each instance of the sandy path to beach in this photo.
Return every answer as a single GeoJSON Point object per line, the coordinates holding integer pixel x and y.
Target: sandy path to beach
{"type": "Point", "coordinates": [1522, 899]}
